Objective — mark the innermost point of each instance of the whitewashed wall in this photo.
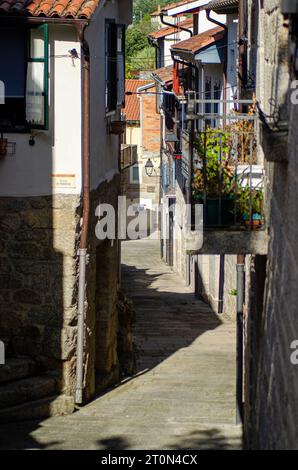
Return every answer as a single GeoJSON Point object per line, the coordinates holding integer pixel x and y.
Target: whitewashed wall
{"type": "Point", "coordinates": [169, 41]}
{"type": "Point", "coordinates": [104, 147]}
{"type": "Point", "coordinates": [58, 150]}
{"type": "Point", "coordinates": [133, 136]}
{"type": "Point", "coordinates": [205, 24]}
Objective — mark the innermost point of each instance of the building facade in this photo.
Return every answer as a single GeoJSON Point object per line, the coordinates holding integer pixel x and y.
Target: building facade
{"type": "Point", "coordinates": [139, 184]}
{"type": "Point", "coordinates": [60, 154]}
{"type": "Point", "coordinates": [271, 415]}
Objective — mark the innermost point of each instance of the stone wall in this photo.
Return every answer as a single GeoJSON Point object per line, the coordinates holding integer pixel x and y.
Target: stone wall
{"type": "Point", "coordinates": [38, 279]}
{"type": "Point", "coordinates": [273, 413]}
{"type": "Point", "coordinates": [39, 239]}
{"type": "Point", "coordinates": [102, 317]}
{"type": "Point", "coordinates": [208, 280]}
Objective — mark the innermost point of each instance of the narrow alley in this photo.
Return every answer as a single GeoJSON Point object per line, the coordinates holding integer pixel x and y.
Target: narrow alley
{"type": "Point", "coordinates": [183, 394]}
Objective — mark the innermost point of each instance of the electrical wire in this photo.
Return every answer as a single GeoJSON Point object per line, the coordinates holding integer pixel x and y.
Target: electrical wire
{"type": "Point", "coordinates": [127, 57]}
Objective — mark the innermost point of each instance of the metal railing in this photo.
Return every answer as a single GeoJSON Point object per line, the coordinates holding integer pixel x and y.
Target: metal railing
{"type": "Point", "coordinates": [226, 177]}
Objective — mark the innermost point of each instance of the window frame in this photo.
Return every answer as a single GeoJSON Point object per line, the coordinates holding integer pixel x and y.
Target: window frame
{"type": "Point", "coordinates": [23, 127]}
{"type": "Point", "coordinates": [132, 179]}
{"type": "Point", "coordinates": [45, 60]}
{"type": "Point", "coordinates": [121, 53]}
{"type": "Point", "coordinates": [110, 97]}
{"type": "Point", "coordinates": [112, 53]}
{"type": "Point", "coordinates": [26, 127]}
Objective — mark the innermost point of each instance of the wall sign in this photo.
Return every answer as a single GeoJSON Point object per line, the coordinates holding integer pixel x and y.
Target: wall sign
{"type": "Point", "coordinates": [64, 181]}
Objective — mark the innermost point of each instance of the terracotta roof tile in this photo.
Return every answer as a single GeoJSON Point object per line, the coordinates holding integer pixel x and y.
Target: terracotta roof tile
{"type": "Point", "coordinates": [223, 6]}
{"type": "Point", "coordinates": [76, 9]}
{"type": "Point", "coordinates": [199, 41]}
{"type": "Point", "coordinates": [161, 33]}
{"type": "Point", "coordinates": [132, 102]}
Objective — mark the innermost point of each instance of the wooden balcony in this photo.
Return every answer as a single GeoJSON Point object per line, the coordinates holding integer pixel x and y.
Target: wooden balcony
{"type": "Point", "coordinates": [129, 155]}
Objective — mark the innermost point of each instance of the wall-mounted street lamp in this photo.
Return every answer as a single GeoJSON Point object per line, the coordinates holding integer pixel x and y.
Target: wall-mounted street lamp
{"type": "Point", "coordinates": [149, 168]}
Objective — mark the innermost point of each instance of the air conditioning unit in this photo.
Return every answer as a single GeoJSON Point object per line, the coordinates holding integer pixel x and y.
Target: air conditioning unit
{"type": "Point", "coordinates": [289, 7]}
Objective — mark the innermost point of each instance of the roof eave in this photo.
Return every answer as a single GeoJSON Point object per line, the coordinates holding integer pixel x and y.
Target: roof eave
{"type": "Point", "coordinates": [42, 19]}
{"type": "Point", "coordinates": [224, 11]}
{"type": "Point", "coordinates": [224, 7]}
{"type": "Point", "coordinates": [184, 54]}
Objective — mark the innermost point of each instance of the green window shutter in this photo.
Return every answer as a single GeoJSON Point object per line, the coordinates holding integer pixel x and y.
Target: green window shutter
{"type": "Point", "coordinates": [37, 83]}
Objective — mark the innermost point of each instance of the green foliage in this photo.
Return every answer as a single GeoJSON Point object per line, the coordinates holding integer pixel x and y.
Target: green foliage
{"type": "Point", "coordinates": [136, 37]}
{"type": "Point", "coordinates": [219, 171]}
{"type": "Point", "coordinates": [137, 47]}
{"type": "Point", "coordinates": [139, 55]}
{"type": "Point", "coordinates": [145, 7]}
{"type": "Point", "coordinates": [215, 147]}
{"type": "Point", "coordinates": [245, 197]}
{"type": "Point", "coordinates": [144, 59]}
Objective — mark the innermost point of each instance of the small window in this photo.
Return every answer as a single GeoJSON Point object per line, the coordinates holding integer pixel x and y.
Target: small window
{"type": "Point", "coordinates": [37, 78]}
{"type": "Point", "coordinates": [212, 92]}
{"type": "Point", "coordinates": [115, 65]}
{"type": "Point", "coordinates": [24, 73]}
{"type": "Point", "coordinates": [12, 75]}
{"type": "Point", "coordinates": [135, 174]}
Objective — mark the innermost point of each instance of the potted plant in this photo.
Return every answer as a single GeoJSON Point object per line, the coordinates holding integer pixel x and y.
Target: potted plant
{"type": "Point", "coordinates": [250, 206]}
{"type": "Point", "coordinates": [214, 180]}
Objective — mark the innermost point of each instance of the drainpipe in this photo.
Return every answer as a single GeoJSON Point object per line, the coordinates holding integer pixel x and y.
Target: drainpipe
{"type": "Point", "coordinates": [225, 65]}
{"type": "Point", "coordinates": [240, 302]}
{"type": "Point", "coordinates": [86, 206]}
{"type": "Point", "coordinates": [139, 95]}
{"type": "Point", "coordinates": [161, 16]}
{"type": "Point", "coordinates": [85, 218]}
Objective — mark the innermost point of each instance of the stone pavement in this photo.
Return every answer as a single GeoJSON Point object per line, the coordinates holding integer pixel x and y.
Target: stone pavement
{"type": "Point", "coordinates": [183, 394]}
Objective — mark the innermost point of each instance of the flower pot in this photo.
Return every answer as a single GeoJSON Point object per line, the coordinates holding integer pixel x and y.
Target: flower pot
{"type": "Point", "coordinates": [255, 223]}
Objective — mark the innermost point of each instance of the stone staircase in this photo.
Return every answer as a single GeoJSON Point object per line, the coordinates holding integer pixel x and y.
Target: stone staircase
{"type": "Point", "coordinates": [28, 391]}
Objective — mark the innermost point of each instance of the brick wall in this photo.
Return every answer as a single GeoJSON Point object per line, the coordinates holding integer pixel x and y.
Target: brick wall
{"type": "Point", "coordinates": [151, 124]}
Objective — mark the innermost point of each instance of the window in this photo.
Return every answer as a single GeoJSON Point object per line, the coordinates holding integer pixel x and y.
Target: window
{"type": "Point", "coordinates": [135, 174]}
{"type": "Point", "coordinates": [37, 78]}
{"type": "Point", "coordinates": [212, 92]}
{"type": "Point", "coordinates": [24, 72]}
{"type": "Point", "coordinates": [115, 65]}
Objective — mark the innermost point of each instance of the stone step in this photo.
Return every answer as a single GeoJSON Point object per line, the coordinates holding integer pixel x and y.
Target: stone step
{"type": "Point", "coordinates": [17, 368]}
{"type": "Point", "coordinates": [55, 405]}
{"type": "Point", "coordinates": [28, 389]}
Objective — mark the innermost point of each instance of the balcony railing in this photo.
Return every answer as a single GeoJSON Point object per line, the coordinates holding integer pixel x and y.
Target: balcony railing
{"type": "Point", "coordinates": [129, 155]}
{"type": "Point", "coordinates": [226, 177]}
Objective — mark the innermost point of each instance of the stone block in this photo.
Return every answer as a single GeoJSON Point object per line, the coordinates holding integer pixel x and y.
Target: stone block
{"type": "Point", "coordinates": [60, 343]}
